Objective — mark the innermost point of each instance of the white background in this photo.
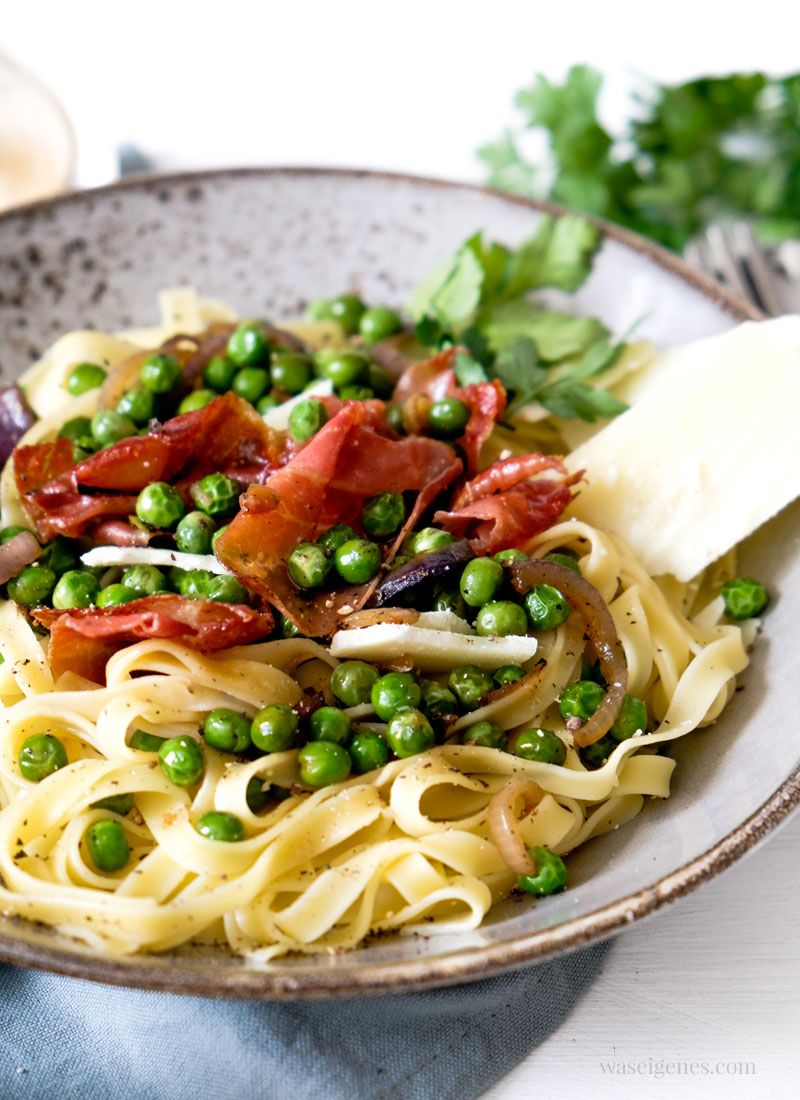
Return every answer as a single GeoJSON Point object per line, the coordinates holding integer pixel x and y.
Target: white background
{"type": "Point", "coordinates": [416, 87]}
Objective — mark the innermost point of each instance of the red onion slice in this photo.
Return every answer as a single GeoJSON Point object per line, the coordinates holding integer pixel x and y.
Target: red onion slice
{"type": "Point", "coordinates": [15, 554]}
{"type": "Point", "coordinates": [584, 598]}
{"type": "Point", "coordinates": [16, 416]}
{"type": "Point", "coordinates": [504, 823]}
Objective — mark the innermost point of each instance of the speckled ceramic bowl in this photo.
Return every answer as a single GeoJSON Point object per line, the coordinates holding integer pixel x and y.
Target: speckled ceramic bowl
{"type": "Point", "coordinates": [269, 240]}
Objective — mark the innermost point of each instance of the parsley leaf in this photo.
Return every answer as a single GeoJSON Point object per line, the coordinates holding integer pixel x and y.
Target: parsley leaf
{"type": "Point", "coordinates": [468, 371]}
{"type": "Point", "coordinates": [574, 400]}
{"type": "Point", "coordinates": [557, 335]}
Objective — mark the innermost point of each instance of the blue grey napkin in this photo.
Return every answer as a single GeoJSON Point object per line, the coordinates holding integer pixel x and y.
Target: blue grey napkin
{"type": "Point", "coordinates": [73, 1040]}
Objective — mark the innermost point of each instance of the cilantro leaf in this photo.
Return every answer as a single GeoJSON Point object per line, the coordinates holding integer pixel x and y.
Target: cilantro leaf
{"type": "Point", "coordinates": [575, 400]}
{"type": "Point", "coordinates": [557, 335]}
{"type": "Point", "coordinates": [468, 371]}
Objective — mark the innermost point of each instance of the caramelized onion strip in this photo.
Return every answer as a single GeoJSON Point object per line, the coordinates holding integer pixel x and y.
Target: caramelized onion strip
{"type": "Point", "coordinates": [601, 631]}
{"type": "Point", "coordinates": [504, 823]}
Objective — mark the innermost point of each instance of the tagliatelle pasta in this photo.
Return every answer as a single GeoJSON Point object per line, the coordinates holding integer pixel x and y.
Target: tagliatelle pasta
{"type": "Point", "coordinates": [406, 847]}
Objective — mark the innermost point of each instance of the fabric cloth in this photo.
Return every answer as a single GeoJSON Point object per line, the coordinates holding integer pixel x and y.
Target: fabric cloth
{"type": "Point", "coordinates": [74, 1040]}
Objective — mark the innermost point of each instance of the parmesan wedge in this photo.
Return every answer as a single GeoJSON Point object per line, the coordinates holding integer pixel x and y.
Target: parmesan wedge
{"type": "Point", "coordinates": [278, 417]}
{"type": "Point", "coordinates": [435, 643]}
{"type": "Point", "coordinates": [707, 453]}
{"type": "Point", "coordinates": [151, 555]}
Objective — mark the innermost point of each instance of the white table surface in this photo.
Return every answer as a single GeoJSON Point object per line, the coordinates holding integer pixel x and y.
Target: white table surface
{"type": "Point", "coordinates": [699, 1001]}
{"type": "Point", "coordinates": [416, 87]}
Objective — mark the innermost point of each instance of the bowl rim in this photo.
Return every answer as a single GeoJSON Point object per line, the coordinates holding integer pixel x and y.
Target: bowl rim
{"type": "Point", "coordinates": [472, 963]}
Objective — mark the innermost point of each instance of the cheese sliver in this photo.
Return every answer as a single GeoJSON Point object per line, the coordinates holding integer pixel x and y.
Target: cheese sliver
{"type": "Point", "coordinates": [278, 417]}
{"type": "Point", "coordinates": [433, 650]}
{"type": "Point", "coordinates": [151, 555]}
{"type": "Point", "coordinates": [709, 451]}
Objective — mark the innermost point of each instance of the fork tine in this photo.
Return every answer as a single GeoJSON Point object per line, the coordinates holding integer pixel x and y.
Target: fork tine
{"type": "Point", "coordinates": [756, 268]}
{"type": "Point", "coordinates": [719, 257]}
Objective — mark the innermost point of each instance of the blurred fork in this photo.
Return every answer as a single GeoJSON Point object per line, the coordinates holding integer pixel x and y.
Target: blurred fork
{"type": "Point", "coordinates": [769, 278]}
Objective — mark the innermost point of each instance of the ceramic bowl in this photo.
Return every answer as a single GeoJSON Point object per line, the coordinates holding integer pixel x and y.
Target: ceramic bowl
{"type": "Point", "coordinates": [268, 241]}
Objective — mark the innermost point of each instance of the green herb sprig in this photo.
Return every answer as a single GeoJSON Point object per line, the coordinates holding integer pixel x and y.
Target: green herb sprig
{"type": "Point", "coordinates": [696, 152]}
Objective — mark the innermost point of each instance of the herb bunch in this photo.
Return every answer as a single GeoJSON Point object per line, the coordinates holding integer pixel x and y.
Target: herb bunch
{"type": "Point", "coordinates": [696, 152]}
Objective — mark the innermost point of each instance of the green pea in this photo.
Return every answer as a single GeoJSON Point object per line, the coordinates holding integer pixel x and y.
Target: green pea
{"type": "Point", "coordinates": [223, 588]}
{"type": "Point", "coordinates": [508, 674]}
{"type": "Point", "coordinates": [430, 538]}
{"type": "Point", "coordinates": [501, 618]}
{"type": "Point", "coordinates": [511, 556]}
{"type": "Point", "coordinates": [255, 795]}
{"type": "Point", "coordinates": [290, 372]}
{"type": "Point", "coordinates": [226, 730]}
{"type": "Point", "coordinates": [358, 561]}
{"type": "Point", "coordinates": [108, 846]}
{"type": "Point", "coordinates": [356, 393]}
{"type": "Point", "coordinates": [251, 383]}
{"type": "Point", "coordinates": [288, 629]}
{"type": "Point", "coordinates": [437, 698]}
{"type": "Point", "coordinates": [216, 494]}
{"type": "Point", "coordinates": [409, 732]}
{"type": "Point", "coordinates": [383, 515]}
{"type": "Point", "coordinates": [394, 691]}
{"type": "Point", "coordinates": [79, 430]}
{"type": "Point", "coordinates": [265, 403]}
{"type": "Point", "coordinates": [487, 735]}
{"type": "Point", "coordinates": [160, 505]}
{"type": "Point", "coordinates": [352, 682]}
{"type": "Point", "coordinates": [109, 427]}
{"type": "Point", "coordinates": [161, 373]}
{"type": "Point", "coordinates": [309, 565]}
{"type": "Point", "coordinates": [632, 718]}
{"type": "Point", "coordinates": [121, 804]}
{"type": "Point", "coordinates": [368, 751]}
{"type": "Point", "coordinates": [581, 699]}
{"type": "Point", "coordinates": [145, 580]}
{"type": "Point", "coordinates": [481, 581]}
{"type": "Point", "coordinates": [550, 875]}
{"type": "Point", "coordinates": [319, 310]}
{"type": "Point", "coordinates": [348, 310]}
{"type": "Point", "coordinates": [138, 405]}
{"type": "Point", "coordinates": [248, 345]}
{"type": "Point", "coordinates": [115, 594]}
{"type": "Point", "coordinates": [329, 724]}
{"type": "Point", "coordinates": [40, 756]}
{"type": "Point", "coordinates": [59, 555]}
{"type": "Point", "coordinates": [217, 535]}
{"type": "Point", "coordinates": [322, 763]}
{"type": "Point", "coordinates": [594, 756]}
{"type": "Point", "coordinates": [306, 419]}
{"type": "Point", "coordinates": [182, 761]}
{"type": "Point", "coordinates": [323, 356]}
{"type": "Point", "coordinates": [450, 599]}
{"type": "Point", "coordinates": [11, 532]}
{"type": "Point", "coordinates": [194, 533]}
{"type": "Point", "coordinates": [335, 537]}
{"type": "Point", "coordinates": [219, 825]}
{"type": "Point", "coordinates": [346, 369]}
{"type": "Point", "coordinates": [32, 586]}
{"type": "Point", "coordinates": [394, 418]}
{"type": "Point", "coordinates": [219, 374]}
{"type": "Point", "coordinates": [380, 381]}
{"type": "Point", "coordinates": [274, 728]}
{"type": "Point", "coordinates": [75, 589]}
{"type": "Point", "coordinates": [377, 323]}
{"type": "Point", "coordinates": [567, 558]}
{"type": "Point", "coordinates": [744, 598]}
{"type": "Point", "coordinates": [469, 684]}
{"type": "Point", "coordinates": [145, 742]}
{"type": "Point", "coordinates": [546, 607]}
{"type": "Point", "coordinates": [193, 583]}
{"type": "Point", "coordinates": [197, 399]}
{"type": "Point", "coordinates": [448, 418]}
{"type": "Point", "coordinates": [545, 746]}
{"type": "Point", "coordinates": [84, 377]}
